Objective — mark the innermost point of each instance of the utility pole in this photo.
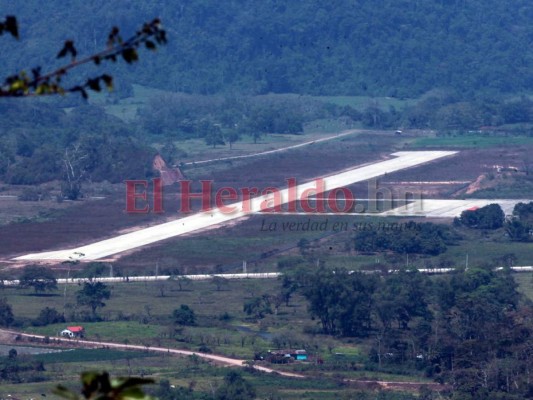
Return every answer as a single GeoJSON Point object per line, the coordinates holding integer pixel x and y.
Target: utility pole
{"type": "Point", "coordinates": [65, 290]}
{"type": "Point", "coordinates": [244, 267]}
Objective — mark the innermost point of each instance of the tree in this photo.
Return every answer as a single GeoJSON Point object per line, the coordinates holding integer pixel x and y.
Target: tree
{"type": "Point", "coordinates": [213, 136]}
{"type": "Point", "coordinates": [402, 296]}
{"type": "Point", "coordinates": [232, 137]}
{"type": "Point", "coordinates": [21, 85]}
{"type": "Point", "coordinates": [166, 391]}
{"type": "Point", "coordinates": [289, 285]}
{"type": "Point", "coordinates": [219, 281]}
{"type": "Point", "coordinates": [92, 270]}
{"type": "Point", "coordinates": [48, 316]}
{"type": "Point", "coordinates": [249, 128]}
{"type": "Point", "coordinates": [258, 306]}
{"type": "Point", "coordinates": [75, 169]}
{"type": "Point", "coordinates": [6, 313]}
{"type": "Point", "coordinates": [181, 280]}
{"type": "Point", "coordinates": [93, 295]}
{"type": "Point", "coordinates": [184, 315]}
{"type": "Point", "coordinates": [488, 217]}
{"type": "Point", "coordinates": [235, 387]}
{"type": "Point", "coordinates": [41, 279]}
{"type": "Point", "coordinates": [518, 231]}
{"type": "Point", "coordinates": [342, 301]}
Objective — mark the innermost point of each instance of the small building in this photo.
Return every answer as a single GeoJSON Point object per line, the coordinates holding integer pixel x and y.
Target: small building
{"type": "Point", "coordinates": [73, 332]}
{"type": "Point", "coordinates": [286, 356]}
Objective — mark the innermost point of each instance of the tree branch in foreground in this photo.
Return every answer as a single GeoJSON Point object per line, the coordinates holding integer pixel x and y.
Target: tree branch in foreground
{"type": "Point", "coordinates": [23, 85]}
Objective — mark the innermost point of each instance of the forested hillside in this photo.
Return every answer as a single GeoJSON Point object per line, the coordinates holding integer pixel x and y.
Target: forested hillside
{"type": "Point", "coordinates": [399, 48]}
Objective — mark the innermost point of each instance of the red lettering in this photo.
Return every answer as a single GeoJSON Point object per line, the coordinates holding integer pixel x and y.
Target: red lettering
{"type": "Point", "coordinates": [247, 194]}
{"type": "Point", "coordinates": [291, 183]}
{"type": "Point", "coordinates": [186, 196]}
{"type": "Point", "coordinates": [348, 200]}
{"type": "Point", "coordinates": [158, 195]}
{"type": "Point", "coordinates": [266, 205]}
{"type": "Point", "coordinates": [226, 193]}
{"type": "Point", "coordinates": [320, 204]}
{"type": "Point", "coordinates": [132, 196]}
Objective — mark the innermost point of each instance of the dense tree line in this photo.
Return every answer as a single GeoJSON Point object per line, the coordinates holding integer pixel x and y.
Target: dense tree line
{"type": "Point", "coordinates": [520, 226]}
{"type": "Point", "coordinates": [180, 116]}
{"type": "Point", "coordinates": [451, 111]}
{"type": "Point", "coordinates": [488, 217]}
{"type": "Point", "coordinates": [40, 143]}
{"type": "Point", "coordinates": [425, 238]}
{"type": "Point", "coordinates": [470, 328]}
{"type": "Point", "coordinates": [17, 369]}
{"type": "Point", "coordinates": [342, 47]}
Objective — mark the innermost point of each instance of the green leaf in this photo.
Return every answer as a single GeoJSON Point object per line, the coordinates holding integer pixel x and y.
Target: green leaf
{"type": "Point", "coordinates": [11, 26]}
{"type": "Point", "coordinates": [124, 383]}
{"type": "Point", "coordinates": [150, 45]}
{"type": "Point", "coordinates": [68, 48]}
{"type": "Point", "coordinates": [130, 55]}
{"type": "Point", "coordinates": [108, 81]}
{"type": "Point", "coordinates": [94, 84]}
{"type": "Point", "coordinates": [112, 37]}
{"type": "Point", "coordinates": [135, 393]}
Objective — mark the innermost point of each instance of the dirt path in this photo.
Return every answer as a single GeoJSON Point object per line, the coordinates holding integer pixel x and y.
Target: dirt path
{"type": "Point", "coordinates": [10, 336]}
{"type": "Point", "coordinates": [264, 153]}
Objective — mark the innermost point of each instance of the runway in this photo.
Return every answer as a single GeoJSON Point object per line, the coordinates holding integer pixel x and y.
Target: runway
{"type": "Point", "coordinates": [447, 208]}
{"type": "Point", "coordinates": [214, 217]}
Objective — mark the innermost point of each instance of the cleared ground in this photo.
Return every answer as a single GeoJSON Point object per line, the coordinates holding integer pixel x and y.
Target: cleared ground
{"type": "Point", "coordinates": [215, 217]}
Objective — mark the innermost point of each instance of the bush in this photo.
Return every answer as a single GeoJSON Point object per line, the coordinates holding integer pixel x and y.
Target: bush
{"type": "Point", "coordinates": [488, 217]}
{"type": "Point", "coordinates": [48, 316]}
{"type": "Point", "coordinates": [184, 315]}
{"type": "Point", "coordinates": [33, 194]}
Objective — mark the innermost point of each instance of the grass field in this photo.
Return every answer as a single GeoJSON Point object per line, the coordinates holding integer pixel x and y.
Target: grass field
{"type": "Point", "coordinates": [236, 335]}
{"type": "Point", "coordinates": [195, 376]}
{"type": "Point", "coordinates": [137, 313]}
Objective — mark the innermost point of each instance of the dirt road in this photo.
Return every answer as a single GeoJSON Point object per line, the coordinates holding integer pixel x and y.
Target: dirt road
{"type": "Point", "coordinates": [5, 333]}
{"type": "Point", "coordinates": [268, 152]}
{"type": "Point", "coordinates": [10, 336]}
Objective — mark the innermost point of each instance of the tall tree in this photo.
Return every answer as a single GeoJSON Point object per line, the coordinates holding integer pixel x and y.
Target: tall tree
{"type": "Point", "coordinates": [41, 279]}
{"type": "Point", "coordinates": [6, 313]}
{"type": "Point", "coordinates": [235, 387]}
{"type": "Point", "coordinates": [93, 295]}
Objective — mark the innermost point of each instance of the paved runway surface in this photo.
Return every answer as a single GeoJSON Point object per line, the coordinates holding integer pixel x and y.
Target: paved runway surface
{"type": "Point", "coordinates": [447, 208]}
{"type": "Point", "coordinates": [203, 220]}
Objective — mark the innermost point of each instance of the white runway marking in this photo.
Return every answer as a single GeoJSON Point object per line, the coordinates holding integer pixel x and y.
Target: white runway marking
{"type": "Point", "coordinates": [203, 220]}
{"type": "Point", "coordinates": [447, 208]}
